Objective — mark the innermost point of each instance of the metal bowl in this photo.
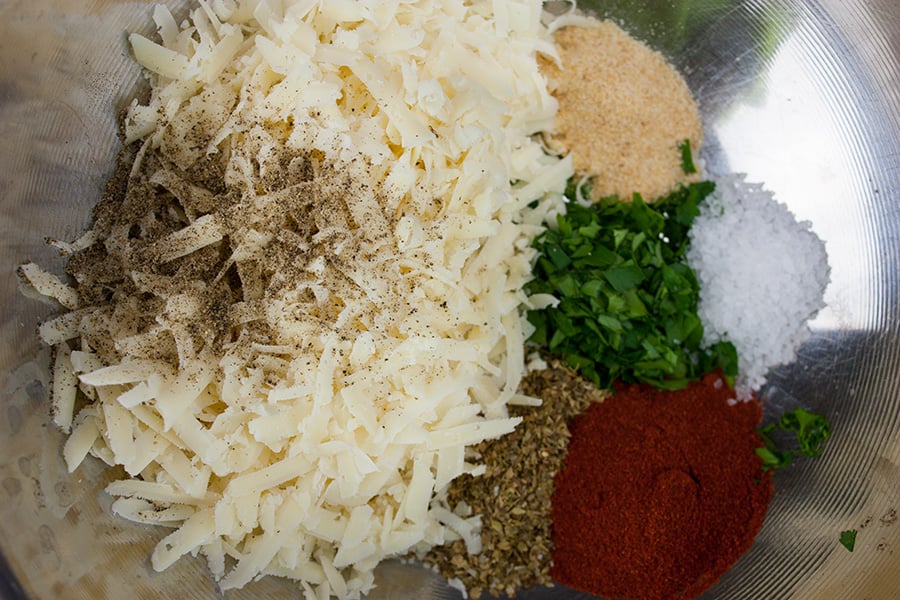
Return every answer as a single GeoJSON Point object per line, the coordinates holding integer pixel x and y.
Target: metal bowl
{"type": "Point", "coordinates": [802, 95]}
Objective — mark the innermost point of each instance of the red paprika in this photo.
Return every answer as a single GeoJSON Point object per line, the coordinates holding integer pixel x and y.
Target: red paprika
{"type": "Point", "coordinates": [661, 492]}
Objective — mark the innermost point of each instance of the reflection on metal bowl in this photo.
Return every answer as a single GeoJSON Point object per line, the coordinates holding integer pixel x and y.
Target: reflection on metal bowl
{"type": "Point", "coordinates": [803, 96]}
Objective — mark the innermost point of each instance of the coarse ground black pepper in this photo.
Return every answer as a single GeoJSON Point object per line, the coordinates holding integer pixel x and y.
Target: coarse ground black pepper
{"type": "Point", "coordinates": [150, 253]}
{"type": "Point", "coordinates": [513, 496]}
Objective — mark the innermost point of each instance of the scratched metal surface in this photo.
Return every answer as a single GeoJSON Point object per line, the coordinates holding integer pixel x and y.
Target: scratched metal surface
{"type": "Point", "coordinates": [801, 95]}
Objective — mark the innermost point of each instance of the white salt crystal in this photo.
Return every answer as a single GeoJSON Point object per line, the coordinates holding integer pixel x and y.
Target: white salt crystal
{"type": "Point", "coordinates": [762, 276]}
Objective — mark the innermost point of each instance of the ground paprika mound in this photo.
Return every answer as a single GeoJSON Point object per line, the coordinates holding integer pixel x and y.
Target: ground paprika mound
{"type": "Point", "coordinates": [661, 492]}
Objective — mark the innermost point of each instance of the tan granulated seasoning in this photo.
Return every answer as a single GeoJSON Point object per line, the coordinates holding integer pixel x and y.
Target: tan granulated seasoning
{"type": "Point", "coordinates": [623, 110]}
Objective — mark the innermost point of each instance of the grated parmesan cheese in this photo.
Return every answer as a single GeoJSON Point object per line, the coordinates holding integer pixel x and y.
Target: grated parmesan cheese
{"type": "Point", "coordinates": [391, 309]}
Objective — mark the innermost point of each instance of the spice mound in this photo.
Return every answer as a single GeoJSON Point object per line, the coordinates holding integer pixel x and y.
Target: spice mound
{"type": "Point", "coordinates": [660, 493]}
{"type": "Point", "coordinates": [739, 276]}
{"type": "Point", "coordinates": [623, 110]}
{"type": "Point", "coordinates": [513, 496]}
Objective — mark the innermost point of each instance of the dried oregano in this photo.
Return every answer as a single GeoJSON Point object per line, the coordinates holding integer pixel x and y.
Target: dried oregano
{"type": "Point", "coordinates": [513, 496]}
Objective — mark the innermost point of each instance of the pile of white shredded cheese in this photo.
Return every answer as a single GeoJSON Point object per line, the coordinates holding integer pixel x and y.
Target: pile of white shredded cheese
{"type": "Point", "coordinates": [395, 340]}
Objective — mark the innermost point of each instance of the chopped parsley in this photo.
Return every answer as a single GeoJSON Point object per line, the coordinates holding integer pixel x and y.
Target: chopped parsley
{"type": "Point", "coordinates": [848, 539]}
{"type": "Point", "coordinates": [811, 430]}
{"type": "Point", "coordinates": [628, 301]}
{"type": "Point", "coordinates": [687, 158]}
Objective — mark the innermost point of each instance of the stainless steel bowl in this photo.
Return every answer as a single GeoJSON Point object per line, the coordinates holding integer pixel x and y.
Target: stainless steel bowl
{"type": "Point", "coordinates": [801, 95]}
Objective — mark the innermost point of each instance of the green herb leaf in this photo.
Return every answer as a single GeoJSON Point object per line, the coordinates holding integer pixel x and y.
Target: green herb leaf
{"type": "Point", "coordinates": [811, 429]}
{"type": "Point", "coordinates": [773, 458]}
{"type": "Point", "coordinates": [560, 259]}
{"type": "Point", "coordinates": [725, 356]}
{"type": "Point", "coordinates": [848, 539]}
{"type": "Point", "coordinates": [687, 159]}
{"type": "Point", "coordinates": [624, 278]}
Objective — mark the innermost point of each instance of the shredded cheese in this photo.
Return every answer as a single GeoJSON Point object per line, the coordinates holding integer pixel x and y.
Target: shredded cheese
{"type": "Point", "coordinates": [395, 342]}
